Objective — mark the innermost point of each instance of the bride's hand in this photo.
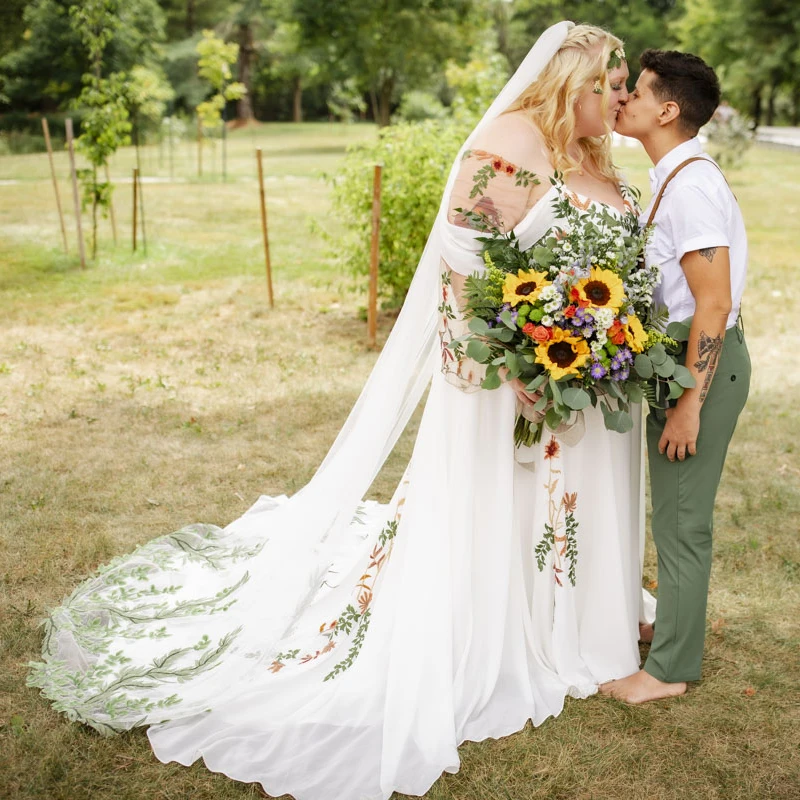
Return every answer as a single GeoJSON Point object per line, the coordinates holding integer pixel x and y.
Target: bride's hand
{"type": "Point", "coordinates": [525, 397]}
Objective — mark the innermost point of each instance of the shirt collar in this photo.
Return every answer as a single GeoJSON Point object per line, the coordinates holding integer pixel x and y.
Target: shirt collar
{"type": "Point", "coordinates": [677, 155]}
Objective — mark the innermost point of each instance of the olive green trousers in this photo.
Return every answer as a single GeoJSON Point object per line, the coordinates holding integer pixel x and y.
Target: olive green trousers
{"type": "Point", "coordinates": [683, 495]}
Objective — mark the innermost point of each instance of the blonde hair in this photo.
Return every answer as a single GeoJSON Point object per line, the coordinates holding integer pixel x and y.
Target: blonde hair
{"type": "Point", "coordinates": [550, 100]}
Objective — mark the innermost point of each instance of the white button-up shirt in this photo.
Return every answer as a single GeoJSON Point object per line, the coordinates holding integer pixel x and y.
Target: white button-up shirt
{"type": "Point", "coordinates": [698, 211]}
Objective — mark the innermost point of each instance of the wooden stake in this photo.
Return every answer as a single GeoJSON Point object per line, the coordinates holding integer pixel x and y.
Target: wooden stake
{"type": "Point", "coordinates": [46, 129]}
{"type": "Point", "coordinates": [111, 207]}
{"type": "Point", "coordinates": [372, 307]}
{"type": "Point", "coordinates": [199, 148]}
{"type": "Point", "coordinates": [75, 197]}
{"type": "Point", "coordinates": [264, 226]}
{"type": "Point", "coordinates": [141, 211]}
{"type": "Point", "coordinates": [135, 203]}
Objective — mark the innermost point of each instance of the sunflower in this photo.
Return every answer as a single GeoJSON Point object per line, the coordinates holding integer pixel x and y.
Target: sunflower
{"type": "Point", "coordinates": [524, 287]}
{"type": "Point", "coordinates": [635, 334]}
{"type": "Point", "coordinates": [563, 354]}
{"type": "Point", "coordinates": [602, 289]}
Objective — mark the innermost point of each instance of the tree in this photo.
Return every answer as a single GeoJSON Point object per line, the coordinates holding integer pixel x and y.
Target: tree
{"type": "Point", "coordinates": [105, 124]}
{"type": "Point", "coordinates": [45, 71]}
{"type": "Point", "coordinates": [639, 23]}
{"type": "Point", "coordinates": [753, 44]}
{"type": "Point", "coordinates": [214, 67]}
{"type": "Point", "coordinates": [390, 43]}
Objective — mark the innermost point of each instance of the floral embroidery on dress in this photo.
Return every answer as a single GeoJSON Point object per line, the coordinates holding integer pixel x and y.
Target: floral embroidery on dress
{"type": "Point", "coordinates": [121, 601]}
{"type": "Point", "coordinates": [458, 369]}
{"type": "Point", "coordinates": [560, 532]}
{"type": "Point", "coordinates": [497, 165]}
{"type": "Point", "coordinates": [355, 616]}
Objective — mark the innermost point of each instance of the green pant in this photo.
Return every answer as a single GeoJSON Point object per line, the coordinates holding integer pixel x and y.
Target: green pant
{"type": "Point", "coordinates": [683, 494]}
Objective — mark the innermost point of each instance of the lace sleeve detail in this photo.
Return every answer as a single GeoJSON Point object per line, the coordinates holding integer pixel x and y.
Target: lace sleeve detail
{"type": "Point", "coordinates": [492, 186]}
{"type": "Point", "coordinates": [462, 372]}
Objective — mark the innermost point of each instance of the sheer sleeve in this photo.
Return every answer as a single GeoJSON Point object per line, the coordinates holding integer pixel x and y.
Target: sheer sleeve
{"type": "Point", "coordinates": [502, 192]}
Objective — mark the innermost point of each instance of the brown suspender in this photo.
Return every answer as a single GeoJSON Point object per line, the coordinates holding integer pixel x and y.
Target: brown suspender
{"type": "Point", "coordinates": [671, 176]}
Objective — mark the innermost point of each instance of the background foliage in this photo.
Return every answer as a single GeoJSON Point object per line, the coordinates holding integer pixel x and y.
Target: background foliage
{"type": "Point", "coordinates": [296, 55]}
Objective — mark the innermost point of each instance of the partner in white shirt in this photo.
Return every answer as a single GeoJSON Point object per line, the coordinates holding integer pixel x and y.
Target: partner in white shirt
{"type": "Point", "coordinates": [701, 246]}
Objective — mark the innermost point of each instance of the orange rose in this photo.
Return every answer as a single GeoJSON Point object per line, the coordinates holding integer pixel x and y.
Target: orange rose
{"type": "Point", "coordinates": [541, 334]}
{"type": "Point", "coordinates": [528, 329]}
{"type": "Point", "coordinates": [569, 312]}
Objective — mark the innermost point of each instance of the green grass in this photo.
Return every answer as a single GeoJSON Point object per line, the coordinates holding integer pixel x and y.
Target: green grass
{"type": "Point", "coordinates": [150, 391]}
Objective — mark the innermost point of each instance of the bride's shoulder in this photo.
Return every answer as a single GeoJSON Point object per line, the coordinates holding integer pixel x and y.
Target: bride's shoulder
{"type": "Point", "coordinates": [515, 138]}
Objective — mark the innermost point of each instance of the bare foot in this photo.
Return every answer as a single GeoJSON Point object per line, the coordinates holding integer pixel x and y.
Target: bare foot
{"type": "Point", "coordinates": [641, 687]}
{"type": "Point", "coordinates": [645, 632]}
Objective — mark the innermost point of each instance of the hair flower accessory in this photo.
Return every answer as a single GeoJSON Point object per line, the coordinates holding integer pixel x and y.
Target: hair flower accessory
{"type": "Point", "coordinates": [615, 58]}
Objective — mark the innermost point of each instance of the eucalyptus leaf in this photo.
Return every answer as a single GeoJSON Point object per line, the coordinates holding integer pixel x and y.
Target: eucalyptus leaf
{"type": "Point", "coordinates": [643, 366]}
{"type": "Point", "coordinates": [553, 418]}
{"type": "Point", "coordinates": [683, 377]}
{"type": "Point", "coordinates": [513, 365]}
{"type": "Point", "coordinates": [536, 382]}
{"type": "Point", "coordinates": [503, 334]}
{"type": "Point", "coordinates": [479, 351]}
{"type": "Point", "coordinates": [665, 369]}
{"type": "Point", "coordinates": [679, 331]}
{"type": "Point", "coordinates": [675, 390]}
{"type": "Point", "coordinates": [505, 318]}
{"type": "Point", "coordinates": [657, 353]}
{"type": "Point", "coordinates": [619, 421]}
{"type": "Point", "coordinates": [575, 398]}
{"type": "Point", "coordinates": [478, 326]}
{"type": "Point", "coordinates": [635, 392]}
{"type": "Point", "coordinates": [491, 381]}
{"type": "Point", "coordinates": [615, 391]}
{"type": "Point", "coordinates": [556, 390]}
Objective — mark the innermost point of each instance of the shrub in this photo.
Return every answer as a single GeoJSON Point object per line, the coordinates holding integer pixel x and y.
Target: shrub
{"type": "Point", "coordinates": [729, 140]}
{"type": "Point", "coordinates": [417, 105]}
{"type": "Point", "coordinates": [416, 159]}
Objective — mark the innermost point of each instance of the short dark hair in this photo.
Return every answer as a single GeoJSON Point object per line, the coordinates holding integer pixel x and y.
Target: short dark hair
{"type": "Point", "coordinates": [687, 80]}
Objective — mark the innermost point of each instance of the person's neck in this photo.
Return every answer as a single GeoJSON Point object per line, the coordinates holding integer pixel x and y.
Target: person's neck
{"type": "Point", "coordinates": [662, 142]}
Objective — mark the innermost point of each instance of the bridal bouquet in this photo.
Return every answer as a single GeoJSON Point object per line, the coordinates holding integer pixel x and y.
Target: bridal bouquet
{"type": "Point", "coordinates": [572, 317]}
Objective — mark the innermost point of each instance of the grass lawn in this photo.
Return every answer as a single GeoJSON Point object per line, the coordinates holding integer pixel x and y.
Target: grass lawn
{"type": "Point", "coordinates": [153, 390]}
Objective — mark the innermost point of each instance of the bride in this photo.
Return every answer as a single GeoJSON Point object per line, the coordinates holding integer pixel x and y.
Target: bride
{"type": "Point", "coordinates": [330, 647]}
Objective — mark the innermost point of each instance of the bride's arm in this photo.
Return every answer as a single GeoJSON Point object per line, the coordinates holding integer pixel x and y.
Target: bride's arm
{"type": "Point", "coordinates": [501, 178]}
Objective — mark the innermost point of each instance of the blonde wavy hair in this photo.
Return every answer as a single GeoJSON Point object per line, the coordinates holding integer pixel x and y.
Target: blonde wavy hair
{"type": "Point", "coordinates": [550, 100]}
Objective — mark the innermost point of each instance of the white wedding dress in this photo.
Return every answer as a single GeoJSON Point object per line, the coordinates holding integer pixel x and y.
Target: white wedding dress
{"type": "Point", "coordinates": [335, 649]}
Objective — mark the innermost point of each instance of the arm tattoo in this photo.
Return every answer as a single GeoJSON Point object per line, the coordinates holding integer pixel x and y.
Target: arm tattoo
{"type": "Point", "coordinates": [708, 350]}
{"type": "Point", "coordinates": [708, 253]}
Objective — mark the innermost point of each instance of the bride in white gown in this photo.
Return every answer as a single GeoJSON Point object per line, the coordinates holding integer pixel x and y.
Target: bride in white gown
{"type": "Point", "coordinates": [337, 649]}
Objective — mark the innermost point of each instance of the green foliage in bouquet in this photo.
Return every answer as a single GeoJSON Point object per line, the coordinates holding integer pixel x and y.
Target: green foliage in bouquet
{"type": "Point", "coordinates": [572, 318]}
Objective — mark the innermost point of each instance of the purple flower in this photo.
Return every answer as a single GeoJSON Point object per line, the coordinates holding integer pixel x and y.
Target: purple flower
{"type": "Point", "coordinates": [576, 321]}
{"type": "Point", "coordinates": [623, 374]}
{"type": "Point", "coordinates": [514, 315]}
{"type": "Point", "coordinates": [616, 363]}
{"type": "Point", "coordinates": [597, 371]}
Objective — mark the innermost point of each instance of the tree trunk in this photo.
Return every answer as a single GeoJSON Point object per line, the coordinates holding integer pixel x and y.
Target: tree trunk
{"type": "Point", "coordinates": [385, 102]}
{"type": "Point", "coordinates": [94, 214]}
{"type": "Point", "coordinates": [755, 109]}
{"type": "Point", "coordinates": [190, 9]}
{"type": "Point", "coordinates": [373, 101]}
{"type": "Point", "coordinates": [297, 100]}
{"type": "Point", "coordinates": [796, 105]}
{"type": "Point", "coordinates": [247, 51]}
{"type": "Point", "coordinates": [773, 90]}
